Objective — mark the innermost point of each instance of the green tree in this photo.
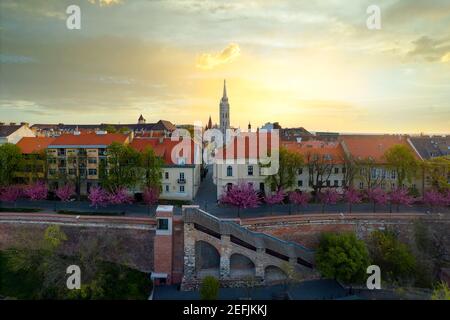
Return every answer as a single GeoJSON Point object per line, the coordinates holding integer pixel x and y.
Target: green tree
{"type": "Point", "coordinates": [122, 167]}
{"type": "Point", "coordinates": [289, 163]}
{"type": "Point", "coordinates": [152, 165]}
{"type": "Point", "coordinates": [209, 289]}
{"type": "Point", "coordinates": [11, 160]}
{"type": "Point", "coordinates": [438, 170]}
{"type": "Point", "coordinates": [110, 129]}
{"type": "Point", "coordinates": [402, 160]}
{"type": "Point", "coordinates": [441, 292]}
{"type": "Point", "coordinates": [342, 257]}
{"type": "Point", "coordinates": [395, 259]}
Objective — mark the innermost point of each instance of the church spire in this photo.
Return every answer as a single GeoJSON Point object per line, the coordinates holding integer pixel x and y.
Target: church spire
{"type": "Point", "coordinates": [224, 89]}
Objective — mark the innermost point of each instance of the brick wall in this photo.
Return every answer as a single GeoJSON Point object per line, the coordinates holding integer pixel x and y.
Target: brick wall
{"type": "Point", "coordinates": [306, 229]}
{"type": "Point", "coordinates": [131, 247]}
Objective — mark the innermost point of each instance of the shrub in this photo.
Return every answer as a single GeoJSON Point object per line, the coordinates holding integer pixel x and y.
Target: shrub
{"type": "Point", "coordinates": [209, 289]}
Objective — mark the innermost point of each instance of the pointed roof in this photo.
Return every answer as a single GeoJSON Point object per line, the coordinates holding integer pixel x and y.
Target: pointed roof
{"type": "Point", "coordinates": [209, 126]}
{"type": "Point", "coordinates": [141, 118]}
{"type": "Point", "coordinates": [224, 88]}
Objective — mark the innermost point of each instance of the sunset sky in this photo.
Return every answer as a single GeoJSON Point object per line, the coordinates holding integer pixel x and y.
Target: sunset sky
{"type": "Point", "coordinates": [301, 63]}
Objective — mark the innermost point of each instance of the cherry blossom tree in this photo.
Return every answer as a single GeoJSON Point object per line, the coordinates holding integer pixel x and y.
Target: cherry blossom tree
{"type": "Point", "coordinates": [241, 196]}
{"type": "Point", "coordinates": [400, 196]}
{"type": "Point", "coordinates": [377, 196]}
{"type": "Point", "coordinates": [352, 196]}
{"type": "Point", "coordinates": [275, 198]}
{"type": "Point", "coordinates": [300, 199]}
{"type": "Point", "coordinates": [36, 191]}
{"type": "Point", "coordinates": [433, 199]}
{"type": "Point", "coordinates": [98, 197]}
{"type": "Point", "coordinates": [11, 193]}
{"type": "Point", "coordinates": [151, 196]}
{"type": "Point", "coordinates": [328, 196]}
{"type": "Point", "coordinates": [119, 196]}
{"type": "Point", "coordinates": [65, 192]}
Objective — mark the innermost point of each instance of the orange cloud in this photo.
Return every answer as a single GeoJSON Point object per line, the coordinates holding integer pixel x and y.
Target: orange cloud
{"type": "Point", "coordinates": [211, 60]}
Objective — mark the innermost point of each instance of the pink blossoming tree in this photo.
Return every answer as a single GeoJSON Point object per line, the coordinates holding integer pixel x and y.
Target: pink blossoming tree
{"type": "Point", "coordinates": [275, 198]}
{"type": "Point", "coordinates": [151, 196]}
{"type": "Point", "coordinates": [433, 199]}
{"type": "Point", "coordinates": [36, 191]}
{"type": "Point", "coordinates": [328, 196]}
{"type": "Point", "coordinates": [352, 196]}
{"type": "Point", "coordinates": [98, 197]}
{"type": "Point", "coordinates": [300, 199]}
{"type": "Point", "coordinates": [119, 196]}
{"type": "Point", "coordinates": [241, 196]}
{"type": "Point", "coordinates": [400, 196]}
{"type": "Point", "coordinates": [65, 192]}
{"type": "Point", "coordinates": [11, 193]}
{"type": "Point", "coordinates": [377, 196]}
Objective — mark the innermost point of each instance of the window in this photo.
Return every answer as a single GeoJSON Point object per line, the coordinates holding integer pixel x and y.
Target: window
{"type": "Point", "coordinates": [300, 183]}
{"type": "Point", "coordinates": [361, 185]}
{"type": "Point", "coordinates": [229, 186]}
{"type": "Point", "coordinates": [92, 172]}
{"type": "Point", "coordinates": [229, 171]}
{"type": "Point", "coordinates": [92, 160]}
{"type": "Point", "coordinates": [250, 170]}
{"type": "Point", "coordinates": [182, 189]}
{"type": "Point", "coordinates": [52, 172]}
{"type": "Point", "coordinates": [344, 169]}
{"type": "Point", "coordinates": [163, 224]}
{"type": "Point", "coordinates": [393, 174]}
{"type": "Point", "coordinates": [336, 183]}
{"type": "Point", "coordinates": [72, 172]}
{"type": "Point", "coordinates": [300, 171]}
{"type": "Point", "coordinates": [167, 188]}
{"type": "Point", "coordinates": [181, 175]}
{"type": "Point", "coordinates": [336, 170]}
{"type": "Point", "coordinates": [343, 183]}
{"type": "Point", "coordinates": [52, 160]}
{"type": "Point", "coordinates": [328, 183]}
{"type": "Point", "coordinates": [166, 175]}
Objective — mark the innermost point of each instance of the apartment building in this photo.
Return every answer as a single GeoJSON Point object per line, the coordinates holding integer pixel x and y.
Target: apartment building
{"type": "Point", "coordinates": [78, 157]}
{"type": "Point", "coordinates": [324, 165]}
{"type": "Point", "coordinates": [180, 174]}
{"type": "Point", "coordinates": [367, 153]}
{"type": "Point", "coordinates": [33, 152]}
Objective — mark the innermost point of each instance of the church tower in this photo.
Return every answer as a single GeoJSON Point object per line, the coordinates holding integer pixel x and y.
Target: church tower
{"type": "Point", "coordinates": [224, 110]}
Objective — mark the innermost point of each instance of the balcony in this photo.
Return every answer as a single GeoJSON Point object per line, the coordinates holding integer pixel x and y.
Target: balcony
{"type": "Point", "coordinates": [181, 181]}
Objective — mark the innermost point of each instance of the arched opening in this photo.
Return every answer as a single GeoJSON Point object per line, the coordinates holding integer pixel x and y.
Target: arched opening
{"type": "Point", "coordinates": [241, 266]}
{"type": "Point", "coordinates": [274, 274]}
{"type": "Point", "coordinates": [207, 260]}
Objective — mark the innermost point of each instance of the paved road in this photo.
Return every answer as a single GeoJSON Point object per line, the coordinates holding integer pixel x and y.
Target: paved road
{"type": "Point", "coordinates": [207, 200]}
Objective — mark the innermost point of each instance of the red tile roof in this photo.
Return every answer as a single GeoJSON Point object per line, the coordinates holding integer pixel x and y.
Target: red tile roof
{"type": "Point", "coordinates": [163, 148]}
{"type": "Point", "coordinates": [373, 146]}
{"type": "Point", "coordinates": [89, 139]}
{"type": "Point", "coordinates": [309, 148]}
{"type": "Point", "coordinates": [34, 144]}
{"type": "Point", "coordinates": [240, 147]}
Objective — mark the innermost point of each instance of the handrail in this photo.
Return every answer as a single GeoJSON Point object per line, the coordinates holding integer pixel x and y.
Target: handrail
{"type": "Point", "coordinates": [256, 239]}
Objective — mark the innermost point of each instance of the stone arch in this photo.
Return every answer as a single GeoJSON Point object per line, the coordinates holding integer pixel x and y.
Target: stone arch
{"type": "Point", "coordinates": [207, 259]}
{"type": "Point", "coordinates": [241, 266]}
{"type": "Point", "coordinates": [274, 274]}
